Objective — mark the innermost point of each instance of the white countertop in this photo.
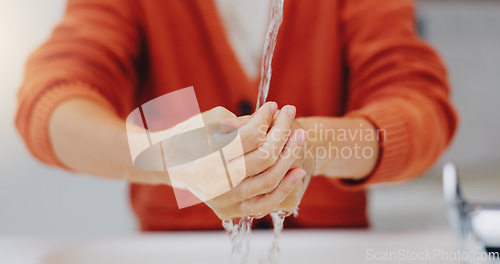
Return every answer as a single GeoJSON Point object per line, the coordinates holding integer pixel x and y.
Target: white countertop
{"type": "Point", "coordinates": [304, 246]}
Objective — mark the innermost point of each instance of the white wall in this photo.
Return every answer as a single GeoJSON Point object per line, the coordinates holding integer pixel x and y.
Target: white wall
{"type": "Point", "coordinates": [35, 199]}
{"type": "Point", "coordinates": [467, 35]}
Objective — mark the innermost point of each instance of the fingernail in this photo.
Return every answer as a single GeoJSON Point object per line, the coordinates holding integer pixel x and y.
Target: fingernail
{"type": "Point", "coordinates": [273, 107]}
{"type": "Point", "coordinates": [292, 111]}
{"type": "Point", "coordinates": [300, 136]}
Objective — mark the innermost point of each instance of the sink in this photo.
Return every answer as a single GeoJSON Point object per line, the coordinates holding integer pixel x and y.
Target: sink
{"type": "Point", "coordinates": [297, 246]}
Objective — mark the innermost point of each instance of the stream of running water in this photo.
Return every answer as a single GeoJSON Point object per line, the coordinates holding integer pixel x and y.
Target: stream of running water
{"type": "Point", "coordinates": [239, 230]}
{"type": "Point", "coordinates": [274, 251]}
{"type": "Point", "coordinates": [269, 46]}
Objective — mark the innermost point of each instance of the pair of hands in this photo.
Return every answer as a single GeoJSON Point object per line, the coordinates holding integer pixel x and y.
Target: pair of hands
{"type": "Point", "coordinates": [276, 172]}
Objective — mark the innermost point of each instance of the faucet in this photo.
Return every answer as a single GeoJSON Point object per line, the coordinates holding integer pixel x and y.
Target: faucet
{"type": "Point", "coordinates": [477, 224]}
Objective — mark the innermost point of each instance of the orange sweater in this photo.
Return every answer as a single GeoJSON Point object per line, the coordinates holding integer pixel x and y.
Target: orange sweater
{"type": "Point", "coordinates": [333, 57]}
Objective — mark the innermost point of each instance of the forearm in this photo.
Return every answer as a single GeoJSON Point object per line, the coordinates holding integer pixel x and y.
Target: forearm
{"type": "Point", "coordinates": [341, 147]}
{"type": "Point", "coordinates": [88, 138]}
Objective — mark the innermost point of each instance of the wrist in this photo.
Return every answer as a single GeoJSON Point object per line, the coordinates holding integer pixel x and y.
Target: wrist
{"type": "Point", "coordinates": [341, 147]}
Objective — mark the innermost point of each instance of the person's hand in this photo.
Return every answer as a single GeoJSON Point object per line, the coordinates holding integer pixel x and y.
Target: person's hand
{"type": "Point", "coordinates": [269, 178]}
{"type": "Point", "coordinates": [306, 163]}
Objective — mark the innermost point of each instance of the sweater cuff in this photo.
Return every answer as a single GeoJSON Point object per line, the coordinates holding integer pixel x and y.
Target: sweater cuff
{"type": "Point", "coordinates": [38, 130]}
{"type": "Point", "coordinates": [394, 139]}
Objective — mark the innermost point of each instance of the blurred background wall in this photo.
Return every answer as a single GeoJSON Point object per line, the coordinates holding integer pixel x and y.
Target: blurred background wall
{"type": "Point", "coordinates": [35, 199]}
{"type": "Point", "coordinates": [38, 200]}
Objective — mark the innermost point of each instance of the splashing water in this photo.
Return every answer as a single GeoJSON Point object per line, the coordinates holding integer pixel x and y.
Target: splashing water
{"type": "Point", "coordinates": [239, 232]}
{"type": "Point", "coordinates": [269, 46]}
{"type": "Point", "coordinates": [274, 251]}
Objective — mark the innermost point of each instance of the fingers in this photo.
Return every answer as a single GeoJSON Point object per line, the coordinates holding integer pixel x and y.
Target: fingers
{"type": "Point", "coordinates": [293, 199]}
{"type": "Point", "coordinates": [214, 115]}
{"type": "Point", "coordinates": [268, 153]}
{"type": "Point", "coordinates": [262, 205]}
{"type": "Point", "coordinates": [269, 180]}
{"type": "Point", "coordinates": [254, 132]}
{"type": "Point", "coordinates": [267, 203]}
{"type": "Point", "coordinates": [231, 124]}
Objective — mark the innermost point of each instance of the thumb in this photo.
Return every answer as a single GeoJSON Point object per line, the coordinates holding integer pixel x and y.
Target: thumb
{"type": "Point", "coordinates": [229, 125]}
